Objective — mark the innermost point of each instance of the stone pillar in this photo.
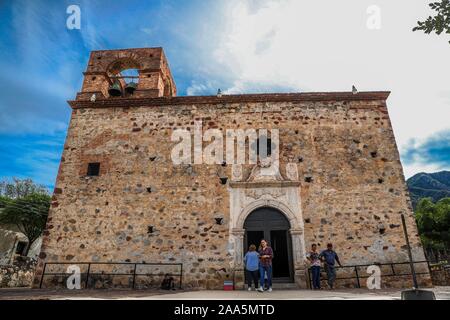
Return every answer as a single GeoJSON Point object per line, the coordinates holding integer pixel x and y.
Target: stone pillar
{"type": "Point", "coordinates": [299, 257]}
{"type": "Point", "coordinates": [238, 266]}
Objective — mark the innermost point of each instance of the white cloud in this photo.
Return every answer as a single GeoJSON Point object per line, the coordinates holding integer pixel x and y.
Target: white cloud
{"type": "Point", "coordinates": [197, 89]}
{"type": "Point", "coordinates": [326, 46]}
{"type": "Point", "coordinates": [412, 169]}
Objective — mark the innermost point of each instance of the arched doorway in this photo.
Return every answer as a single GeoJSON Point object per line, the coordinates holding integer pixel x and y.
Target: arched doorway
{"type": "Point", "coordinates": [272, 225]}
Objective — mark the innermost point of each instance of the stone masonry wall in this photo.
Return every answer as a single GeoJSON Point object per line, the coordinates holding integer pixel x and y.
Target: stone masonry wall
{"type": "Point", "coordinates": [352, 185]}
{"type": "Point", "coordinates": [18, 274]}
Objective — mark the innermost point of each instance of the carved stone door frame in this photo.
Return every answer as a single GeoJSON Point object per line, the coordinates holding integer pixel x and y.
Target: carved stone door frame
{"type": "Point", "coordinates": [284, 196]}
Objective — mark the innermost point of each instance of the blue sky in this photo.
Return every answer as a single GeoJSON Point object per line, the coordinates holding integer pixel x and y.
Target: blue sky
{"type": "Point", "coordinates": [238, 46]}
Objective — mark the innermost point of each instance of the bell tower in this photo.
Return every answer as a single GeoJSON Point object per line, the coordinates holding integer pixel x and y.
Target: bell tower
{"type": "Point", "coordinates": [127, 73]}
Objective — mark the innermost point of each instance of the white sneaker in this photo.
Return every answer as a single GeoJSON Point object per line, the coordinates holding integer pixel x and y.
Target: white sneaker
{"type": "Point", "coordinates": [249, 289]}
{"type": "Point", "coordinates": [260, 289]}
{"type": "Point", "coordinates": [270, 290]}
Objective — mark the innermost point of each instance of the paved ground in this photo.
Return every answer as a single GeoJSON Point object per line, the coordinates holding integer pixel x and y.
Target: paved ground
{"type": "Point", "coordinates": [442, 293]}
{"type": "Point", "coordinates": [354, 294]}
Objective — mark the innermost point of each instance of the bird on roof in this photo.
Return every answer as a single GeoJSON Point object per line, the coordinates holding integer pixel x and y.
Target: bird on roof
{"type": "Point", "coordinates": [93, 98]}
{"type": "Point", "coordinates": [219, 93]}
{"type": "Point", "coordinates": [354, 90]}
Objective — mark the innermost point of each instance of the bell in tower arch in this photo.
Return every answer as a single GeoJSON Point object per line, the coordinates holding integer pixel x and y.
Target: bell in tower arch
{"type": "Point", "coordinates": [115, 89]}
{"type": "Point", "coordinates": [130, 87]}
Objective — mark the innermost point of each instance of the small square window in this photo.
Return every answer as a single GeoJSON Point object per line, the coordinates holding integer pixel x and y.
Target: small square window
{"type": "Point", "coordinates": [93, 169]}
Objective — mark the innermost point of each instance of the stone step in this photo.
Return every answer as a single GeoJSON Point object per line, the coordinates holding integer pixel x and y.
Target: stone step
{"type": "Point", "coordinates": [280, 286]}
{"type": "Point", "coordinates": [284, 286]}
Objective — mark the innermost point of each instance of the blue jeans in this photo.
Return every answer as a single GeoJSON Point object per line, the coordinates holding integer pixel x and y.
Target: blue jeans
{"type": "Point", "coordinates": [315, 270]}
{"type": "Point", "coordinates": [262, 271]}
{"type": "Point", "coordinates": [331, 274]}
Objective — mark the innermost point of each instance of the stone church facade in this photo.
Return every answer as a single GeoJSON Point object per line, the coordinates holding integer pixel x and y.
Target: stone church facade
{"type": "Point", "coordinates": [340, 179]}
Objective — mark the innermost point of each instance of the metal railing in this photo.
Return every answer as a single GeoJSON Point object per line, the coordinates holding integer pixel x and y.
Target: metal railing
{"type": "Point", "coordinates": [133, 272]}
{"type": "Point", "coordinates": [441, 259]}
{"type": "Point", "coordinates": [356, 275]}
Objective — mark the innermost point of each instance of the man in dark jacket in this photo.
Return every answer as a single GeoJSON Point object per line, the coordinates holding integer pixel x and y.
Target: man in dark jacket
{"type": "Point", "coordinates": [329, 256]}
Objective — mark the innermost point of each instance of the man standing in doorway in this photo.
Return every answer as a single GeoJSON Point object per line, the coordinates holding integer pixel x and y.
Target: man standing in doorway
{"type": "Point", "coordinates": [329, 256]}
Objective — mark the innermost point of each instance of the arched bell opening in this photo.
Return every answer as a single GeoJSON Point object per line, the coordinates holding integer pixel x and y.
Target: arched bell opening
{"type": "Point", "coordinates": [272, 225]}
{"type": "Point", "coordinates": [124, 77]}
{"type": "Point", "coordinates": [131, 80]}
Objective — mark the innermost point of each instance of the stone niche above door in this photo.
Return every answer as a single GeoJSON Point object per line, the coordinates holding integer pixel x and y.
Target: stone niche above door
{"type": "Point", "coordinates": [265, 186]}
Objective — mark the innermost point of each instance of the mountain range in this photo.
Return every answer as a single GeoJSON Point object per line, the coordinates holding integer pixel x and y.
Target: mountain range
{"type": "Point", "coordinates": [429, 185]}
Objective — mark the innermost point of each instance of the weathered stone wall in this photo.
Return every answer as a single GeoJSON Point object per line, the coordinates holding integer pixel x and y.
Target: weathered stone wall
{"type": "Point", "coordinates": [352, 185]}
{"type": "Point", "coordinates": [19, 274]}
{"type": "Point", "coordinates": [9, 238]}
{"type": "Point", "coordinates": [8, 241]}
{"type": "Point", "coordinates": [440, 275]}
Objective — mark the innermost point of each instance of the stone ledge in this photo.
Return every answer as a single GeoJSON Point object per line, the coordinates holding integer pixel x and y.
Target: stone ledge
{"type": "Point", "coordinates": [264, 184]}
{"type": "Point", "coordinates": [240, 98]}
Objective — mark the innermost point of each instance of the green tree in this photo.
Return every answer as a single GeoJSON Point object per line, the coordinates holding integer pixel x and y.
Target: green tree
{"type": "Point", "coordinates": [433, 222]}
{"type": "Point", "coordinates": [28, 214]}
{"type": "Point", "coordinates": [438, 23]}
{"type": "Point", "coordinates": [4, 201]}
{"type": "Point", "coordinates": [443, 220]}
